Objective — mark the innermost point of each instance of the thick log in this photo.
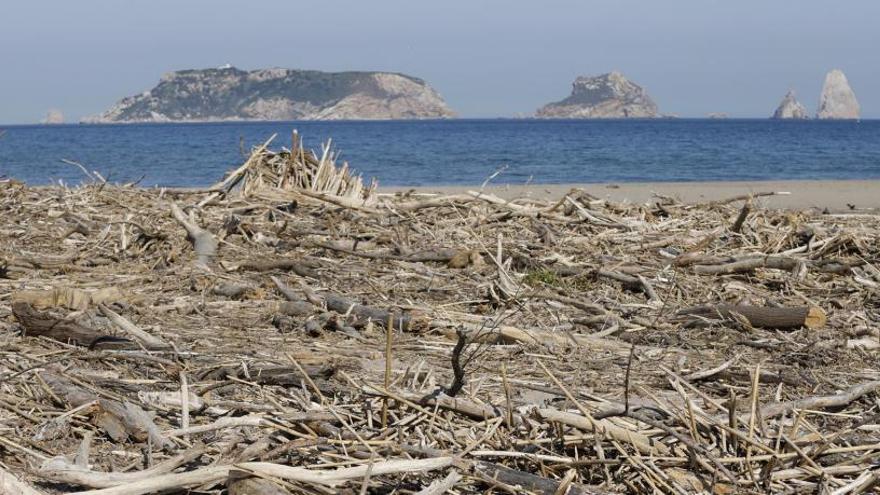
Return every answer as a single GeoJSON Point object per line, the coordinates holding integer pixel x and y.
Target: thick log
{"type": "Point", "coordinates": [40, 324]}
{"type": "Point", "coordinates": [763, 317]}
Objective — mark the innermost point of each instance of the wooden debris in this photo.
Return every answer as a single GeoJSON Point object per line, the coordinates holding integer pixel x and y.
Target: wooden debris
{"type": "Point", "coordinates": [568, 346]}
{"type": "Point", "coordinates": [763, 317]}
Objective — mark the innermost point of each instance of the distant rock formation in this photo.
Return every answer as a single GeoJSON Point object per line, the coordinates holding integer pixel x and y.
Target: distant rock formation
{"type": "Point", "coordinates": [53, 117]}
{"type": "Point", "coordinates": [717, 115]}
{"type": "Point", "coordinates": [790, 108]}
{"type": "Point", "coordinates": [228, 93]}
{"type": "Point", "coordinates": [607, 96]}
{"type": "Point", "coordinates": [837, 100]}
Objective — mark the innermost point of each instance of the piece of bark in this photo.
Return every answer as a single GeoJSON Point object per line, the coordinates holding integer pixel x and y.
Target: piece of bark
{"type": "Point", "coordinates": [763, 317]}
{"type": "Point", "coordinates": [204, 243]}
{"type": "Point", "coordinates": [244, 483]}
{"type": "Point", "coordinates": [42, 324]}
{"type": "Point", "coordinates": [465, 258]}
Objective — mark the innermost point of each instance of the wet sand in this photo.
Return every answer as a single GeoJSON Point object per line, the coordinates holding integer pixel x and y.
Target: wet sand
{"type": "Point", "coordinates": [834, 195]}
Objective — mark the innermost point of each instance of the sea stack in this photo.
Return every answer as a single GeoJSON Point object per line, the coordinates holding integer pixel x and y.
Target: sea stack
{"type": "Point", "coordinates": [838, 101]}
{"type": "Point", "coordinates": [609, 96]}
{"type": "Point", "coordinates": [790, 108]}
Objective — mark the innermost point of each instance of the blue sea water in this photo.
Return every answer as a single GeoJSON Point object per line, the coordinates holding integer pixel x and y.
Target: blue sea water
{"type": "Point", "coordinates": [461, 151]}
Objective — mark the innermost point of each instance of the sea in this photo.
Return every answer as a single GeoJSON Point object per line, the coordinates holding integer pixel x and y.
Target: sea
{"type": "Point", "coordinates": [463, 151]}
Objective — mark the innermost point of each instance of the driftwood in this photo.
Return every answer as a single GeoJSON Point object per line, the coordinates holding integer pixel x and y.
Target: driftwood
{"type": "Point", "coordinates": [147, 340]}
{"type": "Point", "coordinates": [441, 255]}
{"type": "Point", "coordinates": [603, 427]}
{"type": "Point", "coordinates": [68, 297]}
{"type": "Point", "coordinates": [563, 376]}
{"type": "Point", "coordinates": [363, 315]}
{"type": "Point", "coordinates": [302, 267]}
{"type": "Point", "coordinates": [329, 478]}
{"type": "Point", "coordinates": [119, 420]}
{"type": "Point", "coordinates": [204, 243]}
{"type": "Point", "coordinates": [763, 317]}
{"type": "Point", "coordinates": [522, 482]}
{"type": "Point", "coordinates": [244, 483]}
{"type": "Point", "coordinates": [775, 262]}
{"type": "Point", "coordinates": [62, 470]}
{"type": "Point", "coordinates": [10, 485]}
{"type": "Point", "coordinates": [43, 324]}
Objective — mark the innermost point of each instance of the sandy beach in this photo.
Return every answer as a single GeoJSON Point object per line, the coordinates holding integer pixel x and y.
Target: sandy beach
{"type": "Point", "coordinates": [833, 195]}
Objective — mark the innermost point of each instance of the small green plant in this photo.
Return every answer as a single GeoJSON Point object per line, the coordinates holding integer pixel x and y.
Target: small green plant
{"type": "Point", "coordinates": [542, 276]}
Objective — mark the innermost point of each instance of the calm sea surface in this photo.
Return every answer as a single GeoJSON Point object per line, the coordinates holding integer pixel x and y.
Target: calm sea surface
{"type": "Point", "coordinates": [461, 151]}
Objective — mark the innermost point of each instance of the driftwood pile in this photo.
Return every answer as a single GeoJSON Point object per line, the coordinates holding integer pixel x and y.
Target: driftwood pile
{"type": "Point", "coordinates": [280, 334]}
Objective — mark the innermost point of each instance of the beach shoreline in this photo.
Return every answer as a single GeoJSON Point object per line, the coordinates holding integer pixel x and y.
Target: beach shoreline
{"type": "Point", "coordinates": [831, 195]}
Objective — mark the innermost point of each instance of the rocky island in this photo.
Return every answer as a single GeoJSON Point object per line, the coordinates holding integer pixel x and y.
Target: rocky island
{"type": "Point", "coordinates": [837, 101]}
{"type": "Point", "coordinates": [228, 93]}
{"type": "Point", "coordinates": [53, 117]}
{"type": "Point", "coordinates": [609, 96]}
{"type": "Point", "coordinates": [790, 108]}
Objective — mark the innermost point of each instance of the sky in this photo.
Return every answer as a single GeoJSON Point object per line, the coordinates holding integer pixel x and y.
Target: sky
{"type": "Point", "coordinates": [488, 58]}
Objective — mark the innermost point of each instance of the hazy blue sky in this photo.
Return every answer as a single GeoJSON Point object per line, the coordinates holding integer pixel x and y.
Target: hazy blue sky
{"type": "Point", "coordinates": [486, 57]}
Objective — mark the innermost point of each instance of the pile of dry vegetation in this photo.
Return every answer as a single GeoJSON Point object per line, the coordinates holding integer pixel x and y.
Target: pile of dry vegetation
{"type": "Point", "coordinates": [291, 330]}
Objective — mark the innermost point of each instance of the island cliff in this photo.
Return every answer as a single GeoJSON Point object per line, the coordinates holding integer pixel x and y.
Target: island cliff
{"type": "Point", "coordinates": [279, 94]}
{"type": "Point", "coordinates": [608, 96]}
